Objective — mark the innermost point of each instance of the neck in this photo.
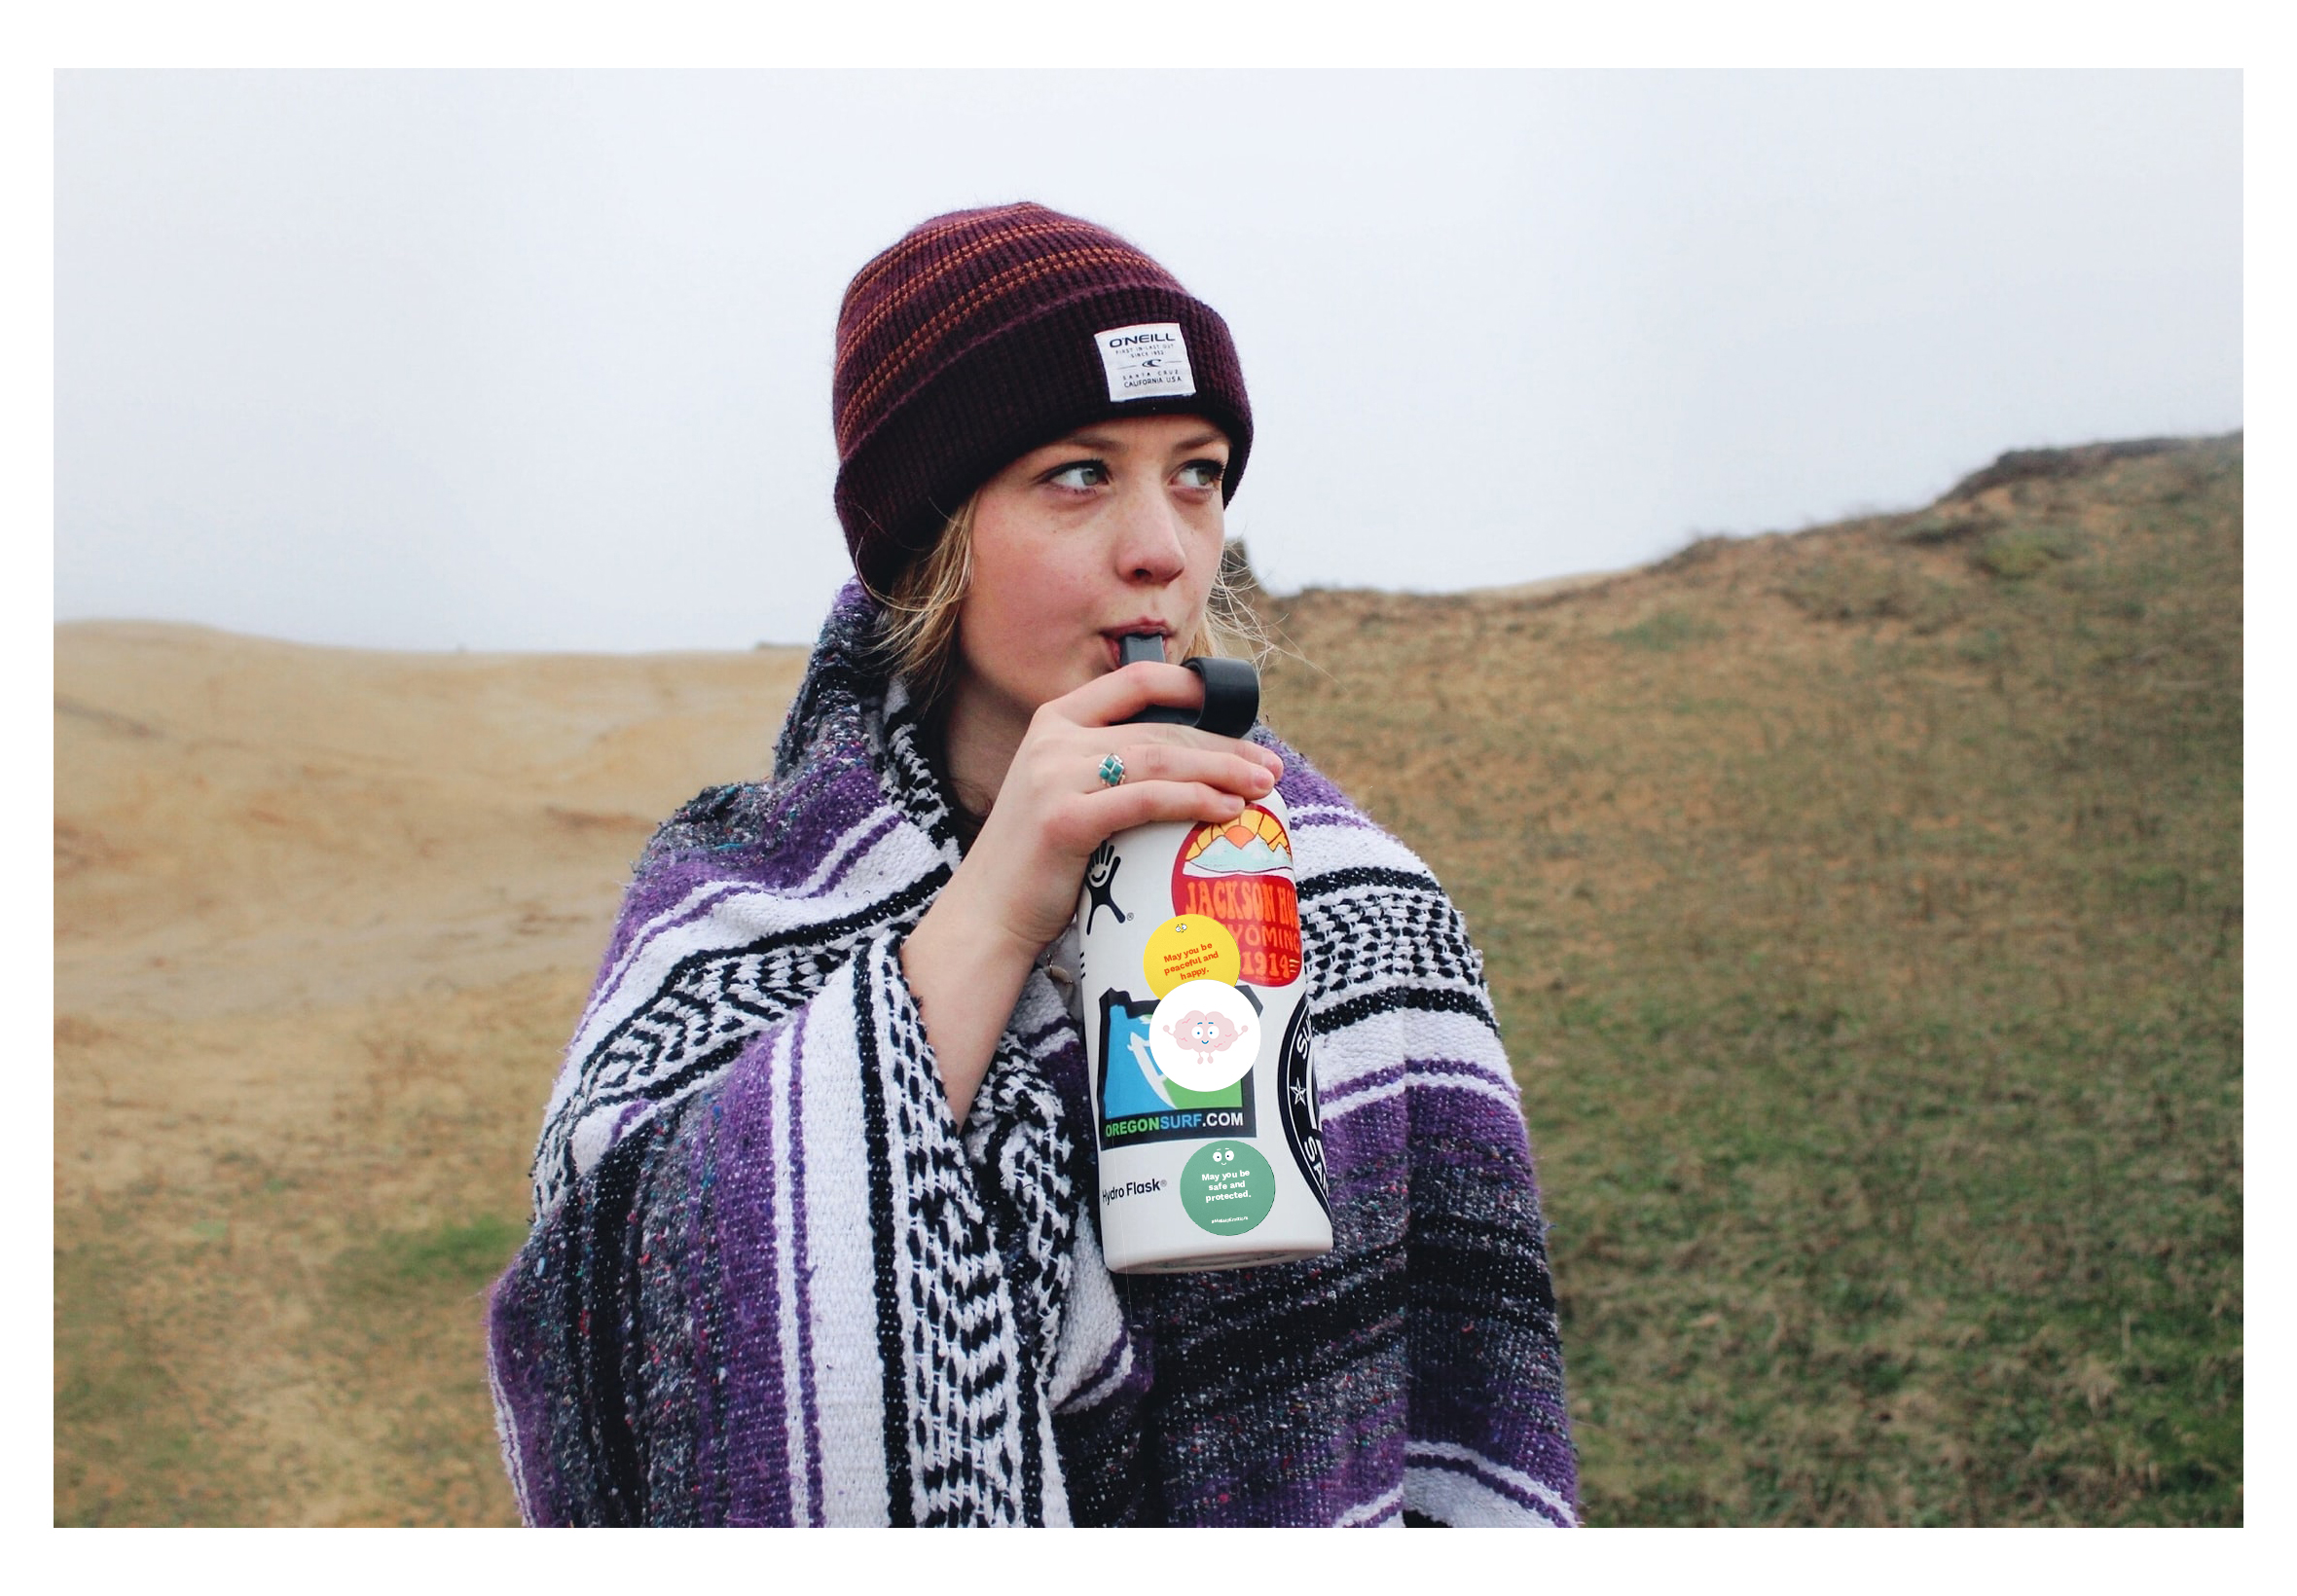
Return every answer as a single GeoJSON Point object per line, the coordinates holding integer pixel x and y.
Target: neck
{"type": "Point", "coordinates": [980, 735]}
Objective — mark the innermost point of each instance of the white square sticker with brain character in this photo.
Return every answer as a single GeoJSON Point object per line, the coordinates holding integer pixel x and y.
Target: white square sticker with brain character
{"type": "Point", "coordinates": [1150, 361]}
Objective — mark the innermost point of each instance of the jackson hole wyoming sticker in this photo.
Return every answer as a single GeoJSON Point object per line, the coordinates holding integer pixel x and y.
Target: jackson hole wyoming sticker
{"type": "Point", "coordinates": [1240, 873]}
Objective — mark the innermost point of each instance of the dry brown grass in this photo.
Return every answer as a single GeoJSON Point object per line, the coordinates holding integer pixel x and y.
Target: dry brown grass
{"type": "Point", "coordinates": [324, 919]}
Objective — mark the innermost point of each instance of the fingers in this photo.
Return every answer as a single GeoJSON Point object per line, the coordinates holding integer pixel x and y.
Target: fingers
{"type": "Point", "coordinates": [1176, 752]}
{"type": "Point", "coordinates": [1120, 809]}
{"type": "Point", "coordinates": [1119, 696]}
{"type": "Point", "coordinates": [1058, 723]}
{"type": "Point", "coordinates": [1108, 702]}
{"type": "Point", "coordinates": [1225, 764]}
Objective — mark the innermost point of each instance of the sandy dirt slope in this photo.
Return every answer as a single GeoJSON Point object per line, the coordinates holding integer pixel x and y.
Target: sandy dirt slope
{"type": "Point", "coordinates": [323, 919]}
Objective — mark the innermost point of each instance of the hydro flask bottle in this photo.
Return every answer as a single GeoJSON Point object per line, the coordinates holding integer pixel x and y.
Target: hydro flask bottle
{"type": "Point", "coordinates": [1197, 1036]}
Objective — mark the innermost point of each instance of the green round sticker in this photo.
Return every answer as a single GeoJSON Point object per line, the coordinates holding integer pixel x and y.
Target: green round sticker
{"type": "Point", "coordinates": [1227, 1187]}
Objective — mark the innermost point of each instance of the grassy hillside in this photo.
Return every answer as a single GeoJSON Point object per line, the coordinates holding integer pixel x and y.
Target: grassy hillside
{"type": "Point", "coordinates": [1863, 908]}
{"type": "Point", "coordinates": [1864, 911]}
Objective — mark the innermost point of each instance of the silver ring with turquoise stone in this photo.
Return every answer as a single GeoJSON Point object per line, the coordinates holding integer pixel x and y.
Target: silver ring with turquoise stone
{"type": "Point", "coordinates": [1112, 772]}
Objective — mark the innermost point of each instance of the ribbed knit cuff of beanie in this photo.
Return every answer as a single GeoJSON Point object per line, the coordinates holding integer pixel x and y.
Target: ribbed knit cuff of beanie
{"type": "Point", "coordinates": [984, 334]}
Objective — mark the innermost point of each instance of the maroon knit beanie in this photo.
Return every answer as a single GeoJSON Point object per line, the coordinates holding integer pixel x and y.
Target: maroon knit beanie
{"type": "Point", "coordinates": [985, 333]}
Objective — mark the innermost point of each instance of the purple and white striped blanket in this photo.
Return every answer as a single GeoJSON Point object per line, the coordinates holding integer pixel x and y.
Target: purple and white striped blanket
{"type": "Point", "coordinates": [770, 1282]}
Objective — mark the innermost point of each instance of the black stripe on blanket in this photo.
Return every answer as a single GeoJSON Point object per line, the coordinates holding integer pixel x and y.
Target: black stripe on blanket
{"type": "Point", "coordinates": [900, 1488]}
{"type": "Point", "coordinates": [1325, 883]}
{"type": "Point", "coordinates": [1433, 1000]}
{"type": "Point", "coordinates": [606, 1286]}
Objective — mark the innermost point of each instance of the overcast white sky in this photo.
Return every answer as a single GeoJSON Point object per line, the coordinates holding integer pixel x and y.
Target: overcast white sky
{"type": "Point", "coordinates": [542, 360]}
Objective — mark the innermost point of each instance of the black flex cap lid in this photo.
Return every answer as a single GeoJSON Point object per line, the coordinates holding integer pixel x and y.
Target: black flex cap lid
{"type": "Point", "coordinates": [1232, 690]}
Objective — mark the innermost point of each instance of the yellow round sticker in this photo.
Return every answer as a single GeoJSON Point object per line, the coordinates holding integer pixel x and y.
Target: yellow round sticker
{"type": "Point", "coordinates": [1190, 948]}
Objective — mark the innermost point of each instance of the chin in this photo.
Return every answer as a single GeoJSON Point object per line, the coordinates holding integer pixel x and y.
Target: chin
{"type": "Point", "coordinates": [1045, 686]}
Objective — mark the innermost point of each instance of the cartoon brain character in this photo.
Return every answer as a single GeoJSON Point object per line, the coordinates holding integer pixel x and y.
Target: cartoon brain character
{"type": "Point", "coordinates": [1204, 1032]}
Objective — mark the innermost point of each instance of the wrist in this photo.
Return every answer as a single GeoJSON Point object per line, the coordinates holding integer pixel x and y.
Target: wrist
{"type": "Point", "coordinates": [965, 972]}
{"type": "Point", "coordinates": [960, 933]}
{"type": "Point", "coordinates": [984, 903]}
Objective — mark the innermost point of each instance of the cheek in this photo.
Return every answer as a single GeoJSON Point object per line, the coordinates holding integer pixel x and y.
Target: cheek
{"type": "Point", "coordinates": [1027, 611]}
{"type": "Point", "coordinates": [1010, 622]}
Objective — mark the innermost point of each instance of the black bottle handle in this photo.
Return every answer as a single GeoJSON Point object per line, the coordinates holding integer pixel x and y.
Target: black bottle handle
{"type": "Point", "coordinates": [1231, 691]}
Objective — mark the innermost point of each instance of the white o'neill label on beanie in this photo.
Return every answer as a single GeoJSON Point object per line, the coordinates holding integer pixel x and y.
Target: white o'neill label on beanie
{"type": "Point", "coordinates": [1150, 361]}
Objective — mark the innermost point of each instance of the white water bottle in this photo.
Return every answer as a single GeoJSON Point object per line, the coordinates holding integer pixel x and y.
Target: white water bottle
{"type": "Point", "coordinates": [1198, 1042]}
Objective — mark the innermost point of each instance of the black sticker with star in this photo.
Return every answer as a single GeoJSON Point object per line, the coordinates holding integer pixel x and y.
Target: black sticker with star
{"type": "Point", "coordinates": [1303, 1116]}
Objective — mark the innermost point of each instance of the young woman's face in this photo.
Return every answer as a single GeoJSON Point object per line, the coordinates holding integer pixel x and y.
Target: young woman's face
{"type": "Point", "coordinates": [1114, 529]}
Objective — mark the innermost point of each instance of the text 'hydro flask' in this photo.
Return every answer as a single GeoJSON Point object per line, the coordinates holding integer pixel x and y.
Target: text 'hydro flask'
{"type": "Point", "coordinates": [1197, 1038]}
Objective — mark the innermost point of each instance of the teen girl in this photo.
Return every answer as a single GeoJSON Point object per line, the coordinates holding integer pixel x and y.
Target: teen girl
{"type": "Point", "coordinates": [815, 1200]}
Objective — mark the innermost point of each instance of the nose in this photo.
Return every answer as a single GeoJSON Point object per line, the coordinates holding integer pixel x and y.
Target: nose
{"type": "Point", "coordinates": [1149, 545]}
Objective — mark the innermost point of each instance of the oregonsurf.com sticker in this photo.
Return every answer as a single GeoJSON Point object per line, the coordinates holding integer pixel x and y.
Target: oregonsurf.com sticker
{"type": "Point", "coordinates": [1240, 873]}
{"type": "Point", "coordinates": [1141, 1102]}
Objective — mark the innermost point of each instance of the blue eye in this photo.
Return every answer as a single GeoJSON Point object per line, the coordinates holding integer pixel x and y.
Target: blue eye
{"type": "Point", "coordinates": [1202, 474]}
{"type": "Point", "coordinates": [1079, 475]}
